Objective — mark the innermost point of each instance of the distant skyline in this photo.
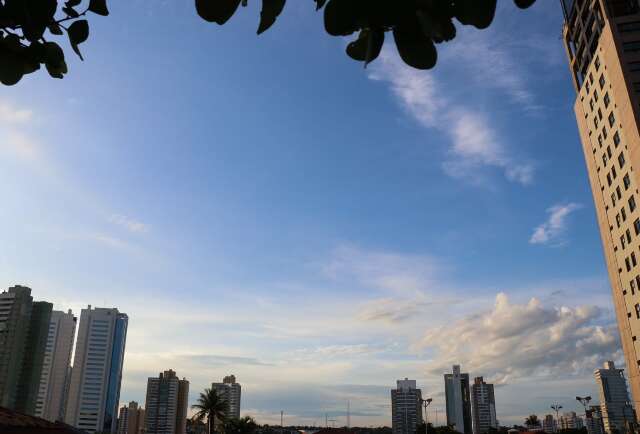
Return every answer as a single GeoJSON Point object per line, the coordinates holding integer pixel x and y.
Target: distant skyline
{"type": "Point", "coordinates": [265, 207]}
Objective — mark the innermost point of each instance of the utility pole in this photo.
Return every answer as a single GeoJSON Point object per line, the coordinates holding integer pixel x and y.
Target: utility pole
{"type": "Point", "coordinates": [556, 407]}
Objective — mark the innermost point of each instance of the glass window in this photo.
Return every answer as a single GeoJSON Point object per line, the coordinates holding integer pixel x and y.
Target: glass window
{"type": "Point", "coordinates": [609, 152]}
{"type": "Point", "coordinates": [623, 242]}
{"type": "Point", "coordinates": [595, 122]}
{"type": "Point", "coordinates": [591, 105]}
{"type": "Point", "coordinates": [612, 119]}
{"type": "Point", "coordinates": [616, 138]}
{"type": "Point", "coordinates": [632, 285]}
{"type": "Point", "coordinates": [609, 179]}
{"type": "Point", "coordinates": [627, 181]}
{"type": "Point", "coordinates": [618, 219]}
{"type": "Point", "coordinates": [604, 159]}
{"type": "Point", "coordinates": [613, 172]}
{"type": "Point", "coordinates": [638, 311]}
{"type": "Point", "coordinates": [597, 63]}
{"type": "Point", "coordinates": [636, 226]}
{"type": "Point", "coordinates": [632, 46]}
{"type": "Point", "coordinates": [633, 259]}
{"type": "Point", "coordinates": [606, 100]}
{"type": "Point", "coordinates": [613, 199]}
{"type": "Point", "coordinates": [621, 160]}
{"type": "Point", "coordinates": [600, 140]}
{"type": "Point", "coordinates": [632, 203]}
{"type": "Point", "coordinates": [634, 66]}
{"type": "Point", "coordinates": [623, 213]}
{"type": "Point", "coordinates": [628, 234]}
{"type": "Point", "coordinates": [618, 192]}
{"type": "Point", "coordinates": [604, 132]}
{"type": "Point", "coordinates": [629, 27]}
{"type": "Point", "coordinates": [627, 264]}
{"type": "Point", "coordinates": [602, 81]}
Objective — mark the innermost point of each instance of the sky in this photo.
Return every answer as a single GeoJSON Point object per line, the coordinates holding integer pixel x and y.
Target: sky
{"type": "Point", "coordinates": [266, 207]}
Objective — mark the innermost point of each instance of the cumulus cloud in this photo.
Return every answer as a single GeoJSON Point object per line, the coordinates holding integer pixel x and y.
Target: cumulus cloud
{"type": "Point", "coordinates": [474, 143]}
{"type": "Point", "coordinates": [513, 341]}
{"type": "Point", "coordinates": [128, 223]}
{"type": "Point", "coordinates": [552, 231]}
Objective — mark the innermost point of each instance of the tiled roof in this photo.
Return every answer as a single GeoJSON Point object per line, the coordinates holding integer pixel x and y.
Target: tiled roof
{"type": "Point", "coordinates": [12, 422]}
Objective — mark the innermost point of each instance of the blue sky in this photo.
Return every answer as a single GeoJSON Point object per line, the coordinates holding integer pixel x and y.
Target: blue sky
{"type": "Point", "coordinates": [267, 207]}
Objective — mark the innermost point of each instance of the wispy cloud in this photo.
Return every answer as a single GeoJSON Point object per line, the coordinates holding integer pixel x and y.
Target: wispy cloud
{"type": "Point", "coordinates": [474, 143]}
{"type": "Point", "coordinates": [129, 223]}
{"type": "Point", "coordinates": [12, 115]}
{"type": "Point", "coordinates": [552, 231]}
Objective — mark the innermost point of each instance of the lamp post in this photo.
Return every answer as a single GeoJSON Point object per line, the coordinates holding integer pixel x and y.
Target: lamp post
{"type": "Point", "coordinates": [584, 401]}
{"type": "Point", "coordinates": [426, 403]}
{"type": "Point", "coordinates": [556, 407]}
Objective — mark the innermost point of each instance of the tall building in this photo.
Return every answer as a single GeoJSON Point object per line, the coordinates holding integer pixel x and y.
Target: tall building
{"type": "Point", "coordinates": [570, 420]}
{"type": "Point", "coordinates": [549, 424]}
{"type": "Point", "coordinates": [131, 419]}
{"type": "Point", "coordinates": [483, 403]}
{"type": "Point", "coordinates": [167, 404]}
{"type": "Point", "coordinates": [593, 420]}
{"type": "Point", "coordinates": [15, 312]}
{"type": "Point", "coordinates": [29, 380]}
{"type": "Point", "coordinates": [230, 391]}
{"type": "Point", "coordinates": [406, 407]}
{"type": "Point", "coordinates": [94, 391]}
{"type": "Point", "coordinates": [456, 387]}
{"type": "Point", "coordinates": [615, 405]}
{"type": "Point", "coordinates": [602, 43]}
{"type": "Point", "coordinates": [54, 379]}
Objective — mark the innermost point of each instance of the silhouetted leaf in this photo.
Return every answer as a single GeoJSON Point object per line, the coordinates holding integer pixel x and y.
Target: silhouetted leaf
{"type": "Point", "coordinates": [54, 59]}
{"type": "Point", "coordinates": [414, 47]}
{"type": "Point", "coordinates": [99, 7]}
{"type": "Point", "coordinates": [367, 47]}
{"type": "Point", "coordinates": [55, 29]}
{"type": "Point", "coordinates": [78, 33]}
{"type": "Point", "coordinates": [217, 11]}
{"type": "Point", "coordinates": [320, 4]}
{"type": "Point", "coordinates": [11, 67]}
{"type": "Point", "coordinates": [341, 17]}
{"type": "Point", "coordinates": [271, 9]}
{"type": "Point", "coordinates": [71, 12]}
{"type": "Point", "coordinates": [524, 4]}
{"type": "Point", "coordinates": [72, 3]}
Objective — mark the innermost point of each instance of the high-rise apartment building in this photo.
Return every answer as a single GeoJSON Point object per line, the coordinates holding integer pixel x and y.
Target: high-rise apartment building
{"type": "Point", "coordinates": [54, 380]}
{"type": "Point", "coordinates": [94, 391]}
{"type": "Point", "coordinates": [231, 392]}
{"type": "Point", "coordinates": [615, 405]}
{"type": "Point", "coordinates": [593, 420]}
{"type": "Point", "coordinates": [456, 386]}
{"type": "Point", "coordinates": [602, 38]}
{"type": "Point", "coordinates": [549, 424]}
{"type": "Point", "coordinates": [483, 403]}
{"type": "Point", "coordinates": [15, 312]}
{"type": "Point", "coordinates": [167, 404]}
{"type": "Point", "coordinates": [570, 420]}
{"type": "Point", "coordinates": [29, 381]}
{"type": "Point", "coordinates": [23, 336]}
{"type": "Point", "coordinates": [131, 419]}
{"type": "Point", "coordinates": [406, 407]}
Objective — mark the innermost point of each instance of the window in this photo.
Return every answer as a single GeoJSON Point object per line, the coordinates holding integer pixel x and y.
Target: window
{"type": "Point", "coordinates": [630, 47]}
{"type": "Point", "coordinates": [632, 285]}
{"type": "Point", "coordinates": [606, 100]}
{"type": "Point", "coordinates": [613, 199]}
{"type": "Point", "coordinates": [636, 226]}
{"type": "Point", "coordinates": [629, 27]}
{"type": "Point", "coordinates": [628, 234]}
{"type": "Point", "coordinates": [602, 81]}
{"type": "Point", "coordinates": [604, 132]}
{"type": "Point", "coordinates": [609, 179]}
{"type": "Point", "coordinates": [621, 160]}
{"type": "Point", "coordinates": [597, 63]}
{"type": "Point", "coordinates": [591, 104]}
{"type": "Point", "coordinates": [627, 264]}
{"type": "Point", "coordinates": [616, 139]}
{"type": "Point", "coordinates": [609, 153]}
{"type": "Point", "coordinates": [627, 181]}
{"type": "Point", "coordinates": [618, 219]}
{"type": "Point", "coordinates": [595, 122]}
{"type": "Point", "coordinates": [612, 119]}
{"type": "Point", "coordinates": [613, 172]}
{"type": "Point", "coordinates": [637, 281]}
{"type": "Point", "coordinates": [633, 259]}
{"type": "Point", "coordinates": [634, 66]}
{"type": "Point", "coordinates": [618, 192]}
{"type": "Point", "coordinates": [638, 316]}
{"type": "Point", "coordinates": [623, 242]}
{"type": "Point", "coordinates": [632, 203]}
{"type": "Point", "coordinates": [587, 86]}
{"type": "Point", "coordinates": [604, 159]}
{"type": "Point", "coordinates": [623, 213]}
{"type": "Point", "coordinates": [600, 140]}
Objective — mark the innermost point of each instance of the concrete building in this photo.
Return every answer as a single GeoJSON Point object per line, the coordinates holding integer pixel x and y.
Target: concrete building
{"type": "Point", "coordinates": [549, 424]}
{"type": "Point", "coordinates": [167, 404]}
{"type": "Point", "coordinates": [615, 404]}
{"type": "Point", "coordinates": [15, 313]}
{"type": "Point", "coordinates": [54, 379]}
{"type": "Point", "coordinates": [131, 419]}
{"type": "Point", "coordinates": [593, 420]}
{"type": "Point", "coordinates": [483, 404]}
{"type": "Point", "coordinates": [94, 391]}
{"type": "Point", "coordinates": [570, 420]}
{"type": "Point", "coordinates": [602, 43]}
{"type": "Point", "coordinates": [406, 407]}
{"type": "Point", "coordinates": [230, 391]}
{"type": "Point", "coordinates": [456, 386]}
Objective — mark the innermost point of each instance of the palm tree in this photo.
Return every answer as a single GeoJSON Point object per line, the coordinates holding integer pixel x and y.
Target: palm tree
{"type": "Point", "coordinates": [209, 407]}
{"type": "Point", "coordinates": [532, 421]}
{"type": "Point", "coordinates": [244, 425]}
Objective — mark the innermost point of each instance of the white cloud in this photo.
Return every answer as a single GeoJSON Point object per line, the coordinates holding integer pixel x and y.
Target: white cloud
{"type": "Point", "coordinates": [516, 341]}
{"type": "Point", "coordinates": [128, 223]}
{"type": "Point", "coordinates": [552, 231]}
{"type": "Point", "coordinates": [473, 141]}
{"type": "Point", "coordinates": [11, 115]}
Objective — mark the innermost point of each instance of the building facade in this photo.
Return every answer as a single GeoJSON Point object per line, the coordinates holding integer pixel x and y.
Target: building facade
{"type": "Point", "coordinates": [15, 311]}
{"type": "Point", "coordinates": [406, 407]}
{"type": "Point", "coordinates": [35, 345]}
{"type": "Point", "coordinates": [602, 39]}
{"type": "Point", "coordinates": [615, 405]}
{"type": "Point", "coordinates": [570, 420]}
{"type": "Point", "coordinates": [230, 391]}
{"type": "Point", "coordinates": [166, 404]}
{"type": "Point", "coordinates": [54, 380]}
{"type": "Point", "coordinates": [483, 404]}
{"type": "Point", "coordinates": [593, 420]}
{"type": "Point", "coordinates": [549, 424]}
{"type": "Point", "coordinates": [94, 391]}
{"type": "Point", "coordinates": [456, 386]}
{"type": "Point", "coordinates": [131, 419]}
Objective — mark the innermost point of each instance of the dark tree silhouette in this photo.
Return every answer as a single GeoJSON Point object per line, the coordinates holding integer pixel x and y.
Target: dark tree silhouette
{"type": "Point", "coordinates": [244, 425]}
{"type": "Point", "coordinates": [532, 421]}
{"type": "Point", "coordinates": [209, 407]}
{"type": "Point", "coordinates": [416, 25]}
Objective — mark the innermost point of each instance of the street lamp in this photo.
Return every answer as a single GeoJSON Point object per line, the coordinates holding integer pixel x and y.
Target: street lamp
{"type": "Point", "coordinates": [556, 407]}
{"type": "Point", "coordinates": [584, 401]}
{"type": "Point", "coordinates": [426, 403]}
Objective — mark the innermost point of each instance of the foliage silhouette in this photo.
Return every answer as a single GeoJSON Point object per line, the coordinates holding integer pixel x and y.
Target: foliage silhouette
{"type": "Point", "coordinates": [209, 407]}
{"type": "Point", "coordinates": [532, 421]}
{"type": "Point", "coordinates": [244, 425]}
{"type": "Point", "coordinates": [417, 25]}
